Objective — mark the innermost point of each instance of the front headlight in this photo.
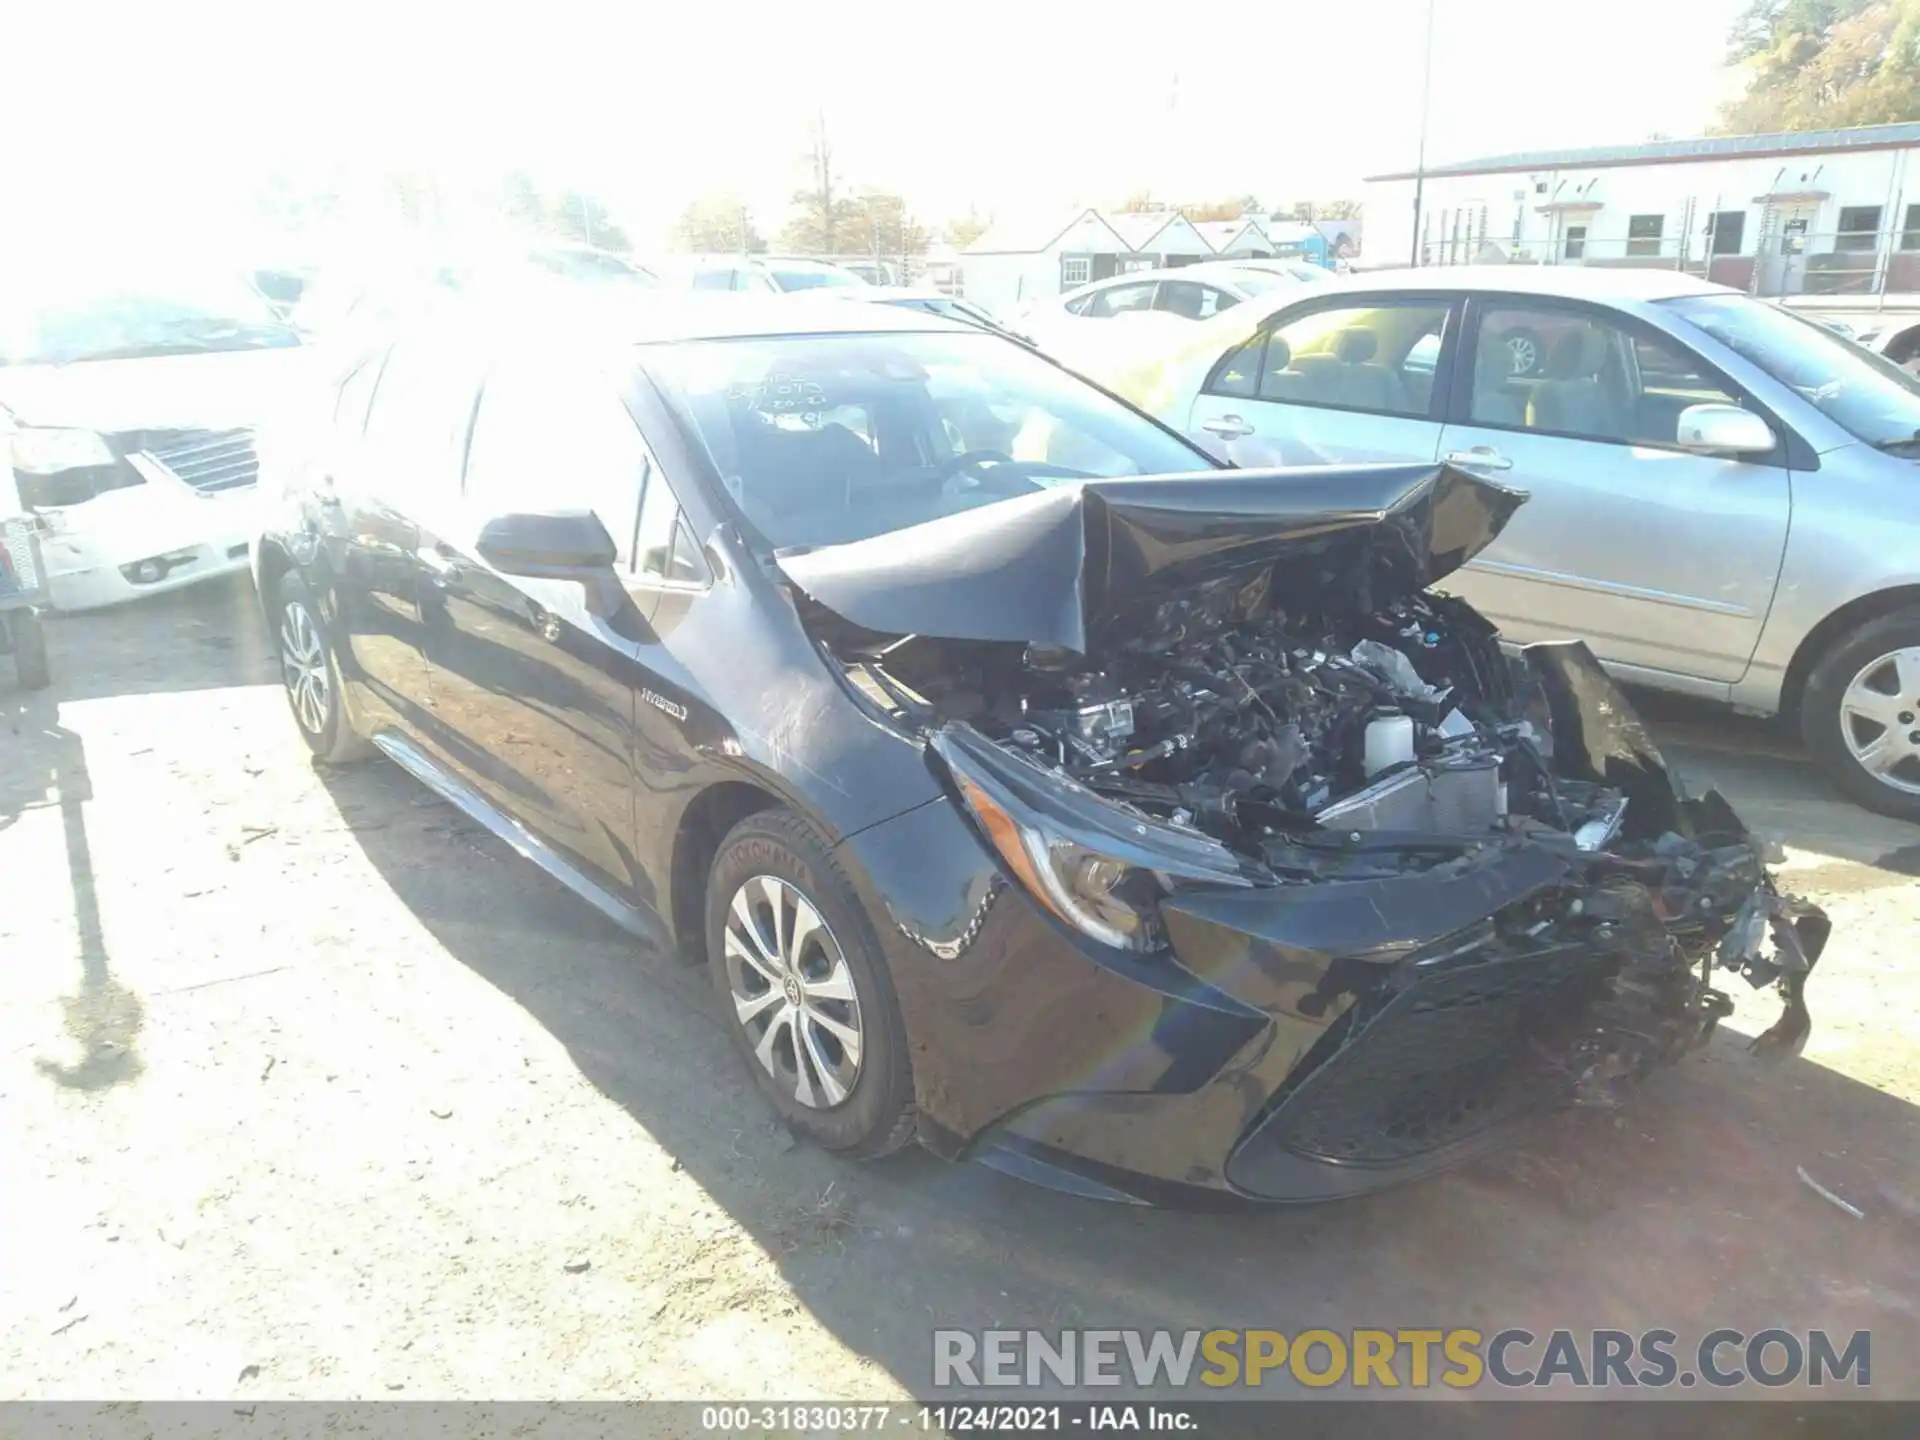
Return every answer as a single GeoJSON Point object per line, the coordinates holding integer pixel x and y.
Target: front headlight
{"type": "Point", "coordinates": [1095, 867]}
{"type": "Point", "coordinates": [39, 450]}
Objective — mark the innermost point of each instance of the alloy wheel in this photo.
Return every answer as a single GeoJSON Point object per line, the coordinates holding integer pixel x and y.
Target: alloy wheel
{"type": "Point", "coordinates": [303, 666]}
{"type": "Point", "coordinates": [1523, 355]}
{"type": "Point", "coordinates": [1880, 719]}
{"type": "Point", "coordinates": [793, 992]}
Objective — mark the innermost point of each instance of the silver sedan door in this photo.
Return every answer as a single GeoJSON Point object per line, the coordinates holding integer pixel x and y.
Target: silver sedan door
{"type": "Point", "coordinates": [1662, 558]}
{"type": "Point", "coordinates": [1347, 380]}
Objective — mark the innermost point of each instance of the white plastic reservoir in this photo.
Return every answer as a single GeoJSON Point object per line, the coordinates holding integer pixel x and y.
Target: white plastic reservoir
{"type": "Point", "coordinates": [1389, 742]}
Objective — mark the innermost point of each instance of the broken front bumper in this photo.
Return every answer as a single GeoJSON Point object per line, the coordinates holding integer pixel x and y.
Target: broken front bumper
{"type": "Point", "coordinates": [1320, 1040]}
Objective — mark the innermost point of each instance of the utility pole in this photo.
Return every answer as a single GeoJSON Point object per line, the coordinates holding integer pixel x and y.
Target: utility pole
{"type": "Point", "coordinates": [1420, 164]}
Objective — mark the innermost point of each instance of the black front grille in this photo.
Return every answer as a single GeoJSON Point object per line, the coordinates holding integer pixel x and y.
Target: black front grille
{"type": "Point", "coordinates": [1445, 1060]}
{"type": "Point", "coordinates": [209, 460]}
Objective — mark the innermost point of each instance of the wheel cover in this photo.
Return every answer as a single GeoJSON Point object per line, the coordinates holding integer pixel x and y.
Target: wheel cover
{"type": "Point", "coordinates": [1525, 354]}
{"type": "Point", "coordinates": [303, 666]}
{"type": "Point", "coordinates": [793, 992]}
{"type": "Point", "coordinates": [1880, 719]}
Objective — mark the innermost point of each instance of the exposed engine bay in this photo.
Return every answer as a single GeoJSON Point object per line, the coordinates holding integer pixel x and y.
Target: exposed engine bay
{"type": "Point", "coordinates": [1227, 714]}
{"type": "Point", "coordinates": [1248, 722]}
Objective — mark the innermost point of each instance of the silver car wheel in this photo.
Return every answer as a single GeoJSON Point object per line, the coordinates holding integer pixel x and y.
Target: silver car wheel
{"type": "Point", "coordinates": [793, 992]}
{"type": "Point", "coordinates": [1880, 719]}
{"type": "Point", "coordinates": [1523, 353]}
{"type": "Point", "coordinates": [303, 666]}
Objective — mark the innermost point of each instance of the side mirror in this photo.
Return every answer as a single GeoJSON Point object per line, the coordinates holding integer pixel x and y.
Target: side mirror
{"type": "Point", "coordinates": [557, 545]}
{"type": "Point", "coordinates": [1724, 430]}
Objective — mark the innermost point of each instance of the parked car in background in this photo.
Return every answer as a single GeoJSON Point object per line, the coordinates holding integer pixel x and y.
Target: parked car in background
{"type": "Point", "coordinates": [874, 272]}
{"type": "Point", "coordinates": [358, 295]}
{"type": "Point", "coordinates": [933, 302]}
{"type": "Point", "coordinates": [1723, 493]}
{"type": "Point", "coordinates": [22, 580]}
{"type": "Point", "coordinates": [1153, 304]}
{"type": "Point", "coordinates": [759, 274]}
{"type": "Point", "coordinates": [133, 391]}
{"type": "Point", "coordinates": [968, 726]}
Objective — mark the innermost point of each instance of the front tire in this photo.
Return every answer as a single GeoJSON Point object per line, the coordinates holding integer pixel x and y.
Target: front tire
{"type": "Point", "coordinates": [29, 638]}
{"type": "Point", "coordinates": [310, 671]}
{"type": "Point", "coordinates": [805, 990]}
{"type": "Point", "coordinates": [1860, 714]}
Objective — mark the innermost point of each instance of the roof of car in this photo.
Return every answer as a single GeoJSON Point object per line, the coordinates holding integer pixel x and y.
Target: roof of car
{"type": "Point", "coordinates": [1586, 282]}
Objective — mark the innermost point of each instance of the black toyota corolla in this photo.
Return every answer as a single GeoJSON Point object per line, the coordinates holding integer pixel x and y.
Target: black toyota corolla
{"type": "Point", "coordinates": [1029, 784]}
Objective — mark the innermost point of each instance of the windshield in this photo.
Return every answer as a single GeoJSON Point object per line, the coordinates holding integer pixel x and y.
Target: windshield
{"type": "Point", "coordinates": [103, 315]}
{"type": "Point", "coordinates": [1856, 389]}
{"type": "Point", "coordinates": [811, 277]}
{"type": "Point", "coordinates": [825, 439]}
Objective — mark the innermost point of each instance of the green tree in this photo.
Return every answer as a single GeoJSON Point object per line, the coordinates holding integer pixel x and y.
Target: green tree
{"type": "Point", "coordinates": [964, 231]}
{"type": "Point", "coordinates": [565, 214]}
{"type": "Point", "coordinates": [1818, 64]}
{"type": "Point", "coordinates": [718, 224]}
{"type": "Point", "coordinates": [877, 223]}
{"type": "Point", "coordinates": [576, 215]}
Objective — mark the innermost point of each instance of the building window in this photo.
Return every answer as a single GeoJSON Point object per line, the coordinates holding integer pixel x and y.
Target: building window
{"type": "Point", "coordinates": [1576, 245]}
{"type": "Point", "coordinates": [1859, 228]}
{"type": "Point", "coordinates": [1910, 233]}
{"type": "Point", "coordinates": [1539, 187]}
{"type": "Point", "coordinates": [1643, 234]}
{"type": "Point", "coordinates": [1725, 232]}
{"type": "Point", "coordinates": [1076, 270]}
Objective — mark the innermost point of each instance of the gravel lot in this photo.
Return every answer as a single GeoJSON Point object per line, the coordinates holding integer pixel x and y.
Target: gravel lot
{"type": "Point", "coordinates": [310, 1089]}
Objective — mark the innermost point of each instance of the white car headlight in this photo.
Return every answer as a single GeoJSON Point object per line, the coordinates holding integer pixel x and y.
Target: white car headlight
{"type": "Point", "coordinates": [42, 451]}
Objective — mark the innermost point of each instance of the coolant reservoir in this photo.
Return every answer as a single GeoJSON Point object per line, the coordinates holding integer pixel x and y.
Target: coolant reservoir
{"type": "Point", "coordinates": [1389, 742]}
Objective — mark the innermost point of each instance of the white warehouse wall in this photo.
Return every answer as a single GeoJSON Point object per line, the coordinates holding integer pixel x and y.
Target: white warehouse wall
{"type": "Point", "coordinates": [1888, 178]}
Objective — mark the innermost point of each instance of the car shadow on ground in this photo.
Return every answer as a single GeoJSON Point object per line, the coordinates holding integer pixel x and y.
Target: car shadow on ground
{"type": "Point", "coordinates": [43, 765]}
{"type": "Point", "coordinates": [1683, 1211]}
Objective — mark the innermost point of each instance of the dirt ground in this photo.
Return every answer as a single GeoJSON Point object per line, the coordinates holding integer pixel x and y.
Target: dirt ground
{"type": "Point", "coordinates": [308, 1088]}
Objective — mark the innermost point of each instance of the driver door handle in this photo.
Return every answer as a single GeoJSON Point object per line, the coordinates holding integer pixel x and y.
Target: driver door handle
{"type": "Point", "coordinates": [1480, 457]}
{"type": "Point", "coordinates": [1227, 427]}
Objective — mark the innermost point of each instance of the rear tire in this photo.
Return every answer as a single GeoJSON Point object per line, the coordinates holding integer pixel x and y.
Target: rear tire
{"type": "Point", "coordinates": [29, 636]}
{"type": "Point", "coordinates": [804, 988]}
{"type": "Point", "coordinates": [1863, 700]}
{"type": "Point", "coordinates": [310, 671]}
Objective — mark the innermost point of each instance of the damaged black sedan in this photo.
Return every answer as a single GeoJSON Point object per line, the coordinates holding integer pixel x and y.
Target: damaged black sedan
{"type": "Point", "coordinates": [1028, 784]}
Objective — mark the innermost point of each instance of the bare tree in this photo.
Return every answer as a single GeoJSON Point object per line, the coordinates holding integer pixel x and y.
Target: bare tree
{"type": "Point", "coordinates": [823, 213]}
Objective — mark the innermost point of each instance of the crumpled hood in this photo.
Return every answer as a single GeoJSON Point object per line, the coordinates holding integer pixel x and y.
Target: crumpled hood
{"type": "Point", "coordinates": [1064, 566]}
{"type": "Point", "coordinates": [225, 390]}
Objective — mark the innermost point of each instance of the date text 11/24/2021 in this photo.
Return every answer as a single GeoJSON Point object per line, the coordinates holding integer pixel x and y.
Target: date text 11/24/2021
{"type": "Point", "coordinates": [950, 1419]}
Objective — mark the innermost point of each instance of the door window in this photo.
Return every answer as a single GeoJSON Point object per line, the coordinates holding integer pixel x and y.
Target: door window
{"type": "Point", "coordinates": [1379, 358]}
{"type": "Point", "coordinates": [1118, 299]}
{"type": "Point", "coordinates": [1595, 377]}
{"type": "Point", "coordinates": [549, 439]}
{"type": "Point", "coordinates": [1192, 299]}
{"type": "Point", "coordinates": [664, 547]}
{"type": "Point", "coordinates": [419, 421]}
